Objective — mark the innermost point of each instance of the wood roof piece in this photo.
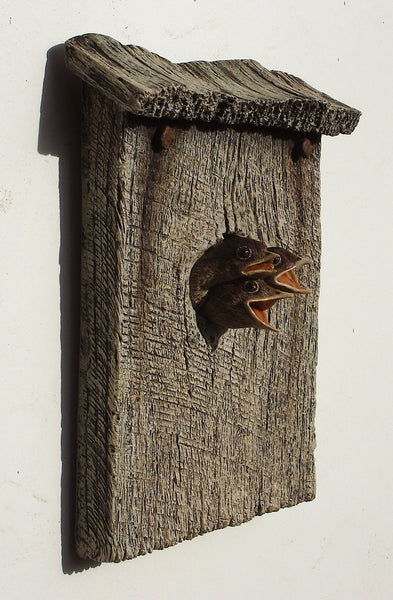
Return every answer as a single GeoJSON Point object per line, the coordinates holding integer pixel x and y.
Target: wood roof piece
{"type": "Point", "coordinates": [232, 92]}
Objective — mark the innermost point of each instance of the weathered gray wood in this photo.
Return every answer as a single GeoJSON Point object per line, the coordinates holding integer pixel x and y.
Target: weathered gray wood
{"type": "Point", "coordinates": [174, 439]}
{"type": "Point", "coordinates": [232, 92]}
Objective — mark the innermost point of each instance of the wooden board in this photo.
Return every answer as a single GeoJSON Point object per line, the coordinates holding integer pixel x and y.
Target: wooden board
{"type": "Point", "coordinates": [175, 439]}
{"type": "Point", "coordinates": [228, 91]}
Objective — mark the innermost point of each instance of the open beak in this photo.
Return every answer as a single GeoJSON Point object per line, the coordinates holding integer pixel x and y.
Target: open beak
{"type": "Point", "coordinates": [289, 280]}
{"type": "Point", "coordinates": [258, 308]}
{"type": "Point", "coordinates": [264, 265]}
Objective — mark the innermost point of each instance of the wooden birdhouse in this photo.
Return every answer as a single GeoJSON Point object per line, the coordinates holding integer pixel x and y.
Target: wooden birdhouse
{"type": "Point", "coordinates": [191, 417]}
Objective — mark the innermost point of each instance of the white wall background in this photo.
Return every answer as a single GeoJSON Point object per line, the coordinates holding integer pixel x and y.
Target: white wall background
{"type": "Point", "coordinates": [340, 545]}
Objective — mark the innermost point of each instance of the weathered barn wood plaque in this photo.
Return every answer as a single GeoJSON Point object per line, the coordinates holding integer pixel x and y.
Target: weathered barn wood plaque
{"type": "Point", "coordinates": [178, 436]}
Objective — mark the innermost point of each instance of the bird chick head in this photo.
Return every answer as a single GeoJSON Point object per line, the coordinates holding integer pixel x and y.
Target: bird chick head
{"type": "Point", "coordinates": [283, 276]}
{"type": "Point", "coordinates": [241, 303]}
{"type": "Point", "coordinates": [237, 255]}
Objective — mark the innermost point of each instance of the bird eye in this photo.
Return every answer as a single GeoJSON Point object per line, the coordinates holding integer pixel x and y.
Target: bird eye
{"type": "Point", "coordinates": [244, 252]}
{"type": "Point", "coordinates": [251, 286]}
{"type": "Point", "coordinates": [276, 261]}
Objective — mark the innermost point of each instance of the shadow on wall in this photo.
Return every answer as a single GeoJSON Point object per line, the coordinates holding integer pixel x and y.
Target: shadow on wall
{"type": "Point", "coordinates": [59, 135]}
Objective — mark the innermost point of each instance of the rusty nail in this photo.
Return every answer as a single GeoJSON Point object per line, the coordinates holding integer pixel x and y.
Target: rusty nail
{"type": "Point", "coordinates": [307, 147]}
{"type": "Point", "coordinates": [167, 136]}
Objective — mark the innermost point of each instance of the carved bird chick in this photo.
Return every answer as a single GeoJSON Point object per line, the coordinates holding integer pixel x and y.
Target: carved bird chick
{"type": "Point", "coordinates": [283, 277]}
{"type": "Point", "coordinates": [240, 303]}
{"type": "Point", "coordinates": [233, 257]}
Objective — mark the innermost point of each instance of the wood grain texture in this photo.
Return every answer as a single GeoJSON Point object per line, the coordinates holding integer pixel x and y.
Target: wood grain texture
{"type": "Point", "coordinates": [176, 440]}
{"type": "Point", "coordinates": [230, 92]}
